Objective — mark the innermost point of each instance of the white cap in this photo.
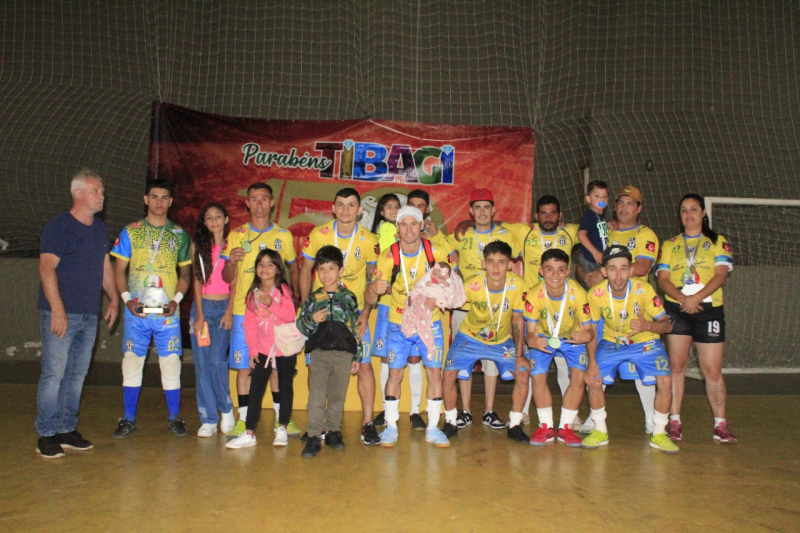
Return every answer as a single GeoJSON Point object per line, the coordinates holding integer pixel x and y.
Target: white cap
{"type": "Point", "coordinates": [409, 211]}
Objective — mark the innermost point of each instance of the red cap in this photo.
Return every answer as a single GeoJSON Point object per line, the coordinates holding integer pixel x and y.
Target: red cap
{"type": "Point", "coordinates": [481, 195]}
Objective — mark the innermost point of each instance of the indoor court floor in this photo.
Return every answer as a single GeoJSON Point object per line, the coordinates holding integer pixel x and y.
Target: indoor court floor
{"type": "Point", "coordinates": [153, 481]}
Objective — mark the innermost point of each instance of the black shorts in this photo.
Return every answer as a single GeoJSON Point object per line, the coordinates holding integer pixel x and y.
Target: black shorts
{"type": "Point", "coordinates": [707, 326]}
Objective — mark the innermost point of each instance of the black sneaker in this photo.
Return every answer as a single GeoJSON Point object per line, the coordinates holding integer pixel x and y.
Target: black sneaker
{"type": "Point", "coordinates": [74, 441]}
{"type": "Point", "coordinates": [450, 430]}
{"type": "Point", "coordinates": [334, 440]}
{"type": "Point", "coordinates": [313, 446]}
{"type": "Point", "coordinates": [304, 437]}
{"type": "Point", "coordinates": [49, 448]}
{"type": "Point", "coordinates": [492, 420]}
{"type": "Point", "coordinates": [463, 419]}
{"type": "Point", "coordinates": [380, 420]}
{"type": "Point", "coordinates": [177, 426]}
{"type": "Point", "coordinates": [518, 435]}
{"type": "Point", "coordinates": [124, 428]}
{"type": "Point", "coordinates": [417, 422]}
{"type": "Point", "coordinates": [369, 435]}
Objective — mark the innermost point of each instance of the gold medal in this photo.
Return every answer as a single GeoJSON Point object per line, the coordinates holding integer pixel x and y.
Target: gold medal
{"type": "Point", "coordinates": [693, 270]}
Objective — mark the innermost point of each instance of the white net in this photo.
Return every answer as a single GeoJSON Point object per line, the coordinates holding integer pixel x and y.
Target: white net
{"type": "Point", "coordinates": [707, 91]}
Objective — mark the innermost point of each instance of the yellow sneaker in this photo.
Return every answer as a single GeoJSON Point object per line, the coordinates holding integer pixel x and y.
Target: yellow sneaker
{"type": "Point", "coordinates": [595, 439]}
{"type": "Point", "coordinates": [662, 442]}
{"type": "Point", "coordinates": [237, 430]}
{"type": "Point", "coordinates": [291, 430]}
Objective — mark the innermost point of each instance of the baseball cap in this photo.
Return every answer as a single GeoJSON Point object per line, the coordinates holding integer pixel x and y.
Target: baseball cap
{"type": "Point", "coordinates": [409, 211]}
{"type": "Point", "coordinates": [481, 195]}
{"type": "Point", "coordinates": [633, 192]}
{"type": "Point", "coordinates": [613, 252]}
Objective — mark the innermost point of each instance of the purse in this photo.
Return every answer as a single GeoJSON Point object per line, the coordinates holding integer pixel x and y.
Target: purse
{"type": "Point", "coordinates": [288, 338]}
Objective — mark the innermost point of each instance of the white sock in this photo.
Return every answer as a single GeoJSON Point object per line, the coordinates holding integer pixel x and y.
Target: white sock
{"type": "Point", "coordinates": [562, 373]}
{"type": "Point", "coordinates": [451, 416]}
{"type": "Point", "coordinates": [434, 410]}
{"type": "Point", "coordinates": [647, 395]}
{"type": "Point", "coordinates": [675, 417]}
{"type": "Point", "coordinates": [567, 417]}
{"type": "Point", "coordinates": [242, 413]}
{"type": "Point", "coordinates": [718, 421]}
{"type": "Point", "coordinates": [545, 416]}
{"type": "Point", "coordinates": [599, 417]}
{"type": "Point", "coordinates": [384, 380]}
{"type": "Point", "coordinates": [277, 408]}
{"type": "Point", "coordinates": [392, 413]}
{"type": "Point", "coordinates": [514, 419]}
{"type": "Point", "coordinates": [660, 422]}
{"type": "Point", "coordinates": [415, 379]}
{"type": "Point", "coordinates": [527, 407]}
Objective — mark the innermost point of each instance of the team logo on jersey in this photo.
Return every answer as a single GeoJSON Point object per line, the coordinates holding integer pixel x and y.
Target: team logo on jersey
{"type": "Point", "coordinates": [361, 236]}
{"type": "Point", "coordinates": [413, 273]}
{"type": "Point", "coordinates": [632, 243]}
{"type": "Point", "coordinates": [676, 248]}
{"type": "Point", "coordinates": [237, 357]}
{"type": "Point", "coordinates": [474, 286]}
{"type": "Point", "coordinates": [623, 314]}
{"type": "Point", "coordinates": [562, 241]}
{"type": "Point", "coordinates": [598, 292]}
{"type": "Point", "coordinates": [506, 305]}
{"type": "Point", "coordinates": [262, 246]}
{"type": "Point", "coordinates": [357, 255]}
{"type": "Point", "coordinates": [391, 356]}
{"type": "Point", "coordinates": [707, 246]}
{"type": "Point", "coordinates": [636, 309]}
{"type": "Point", "coordinates": [495, 307]}
{"type": "Point", "coordinates": [172, 245]}
{"type": "Point", "coordinates": [571, 313]}
{"type": "Point", "coordinates": [278, 245]}
{"type": "Point", "coordinates": [481, 246]}
{"type": "Point", "coordinates": [656, 301]}
{"type": "Point", "coordinates": [307, 244]}
{"type": "Point", "coordinates": [726, 247]}
{"type": "Point", "coordinates": [548, 243]}
{"type": "Point", "coordinates": [379, 343]}
{"type": "Point", "coordinates": [129, 345]}
{"type": "Point", "coordinates": [651, 247]}
{"type": "Point", "coordinates": [528, 307]}
{"type": "Point", "coordinates": [587, 310]}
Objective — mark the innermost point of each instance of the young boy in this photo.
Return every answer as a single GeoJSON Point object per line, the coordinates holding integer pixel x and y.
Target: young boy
{"type": "Point", "coordinates": [329, 319]}
{"type": "Point", "coordinates": [593, 230]}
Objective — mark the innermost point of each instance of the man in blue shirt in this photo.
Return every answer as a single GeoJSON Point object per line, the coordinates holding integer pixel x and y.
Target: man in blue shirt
{"type": "Point", "coordinates": [74, 266]}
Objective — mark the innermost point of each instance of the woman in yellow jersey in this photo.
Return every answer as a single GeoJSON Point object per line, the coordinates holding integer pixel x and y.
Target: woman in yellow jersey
{"type": "Point", "coordinates": [692, 269]}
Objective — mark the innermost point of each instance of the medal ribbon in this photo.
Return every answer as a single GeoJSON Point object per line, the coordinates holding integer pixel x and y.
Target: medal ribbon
{"type": "Point", "coordinates": [555, 330]}
{"type": "Point", "coordinates": [154, 253]}
{"type": "Point", "coordinates": [489, 303]}
{"type": "Point", "coordinates": [349, 246]}
{"type": "Point", "coordinates": [260, 233]}
{"type": "Point", "coordinates": [403, 268]}
{"type": "Point", "coordinates": [624, 307]}
{"type": "Point", "coordinates": [690, 259]}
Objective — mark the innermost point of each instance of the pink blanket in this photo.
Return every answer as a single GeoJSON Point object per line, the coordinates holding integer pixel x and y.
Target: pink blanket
{"type": "Point", "coordinates": [445, 288]}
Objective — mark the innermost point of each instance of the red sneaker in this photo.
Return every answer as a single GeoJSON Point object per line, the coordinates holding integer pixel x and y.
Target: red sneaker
{"type": "Point", "coordinates": [543, 435]}
{"type": "Point", "coordinates": [721, 434]}
{"type": "Point", "coordinates": [568, 437]}
{"type": "Point", "coordinates": [675, 431]}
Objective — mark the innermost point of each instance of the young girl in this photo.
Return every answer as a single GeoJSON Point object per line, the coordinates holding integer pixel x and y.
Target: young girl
{"type": "Point", "coordinates": [384, 224]}
{"type": "Point", "coordinates": [268, 304]}
{"type": "Point", "coordinates": [212, 317]}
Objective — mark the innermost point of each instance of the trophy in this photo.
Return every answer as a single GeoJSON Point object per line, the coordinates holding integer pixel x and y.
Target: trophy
{"type": "Point", "coordinates": [153, 298]}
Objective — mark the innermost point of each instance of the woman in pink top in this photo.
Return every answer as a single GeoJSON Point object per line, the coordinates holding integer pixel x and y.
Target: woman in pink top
{"type": "Point", "coordinates": [212, 317]}
{"type": "Point", "coordinates": [268, 304]}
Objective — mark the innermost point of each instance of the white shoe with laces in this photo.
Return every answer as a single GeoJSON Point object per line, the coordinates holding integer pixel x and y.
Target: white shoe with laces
{"type": "Point", "coordinates": [206, 430]}
{"type": "Point", "coordinates": [281, 437]}
{"type": "Point", "coordinates": [245, 440]}
{"type": "Point", "coordinates": [227, 421]}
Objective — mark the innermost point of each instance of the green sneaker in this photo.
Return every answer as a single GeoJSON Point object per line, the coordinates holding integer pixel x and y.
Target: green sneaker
{"type": "Point", "coordinates": [595, 439]}
{"type": "Point", "coordinates": [664, 443]}
{"type": "Point", "coordinates": [292, 430]}
{"type": "Point", "coordinates": [237, 430]}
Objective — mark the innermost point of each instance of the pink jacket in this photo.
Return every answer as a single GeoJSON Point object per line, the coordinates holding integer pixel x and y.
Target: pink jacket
{"type": "Point", "coordinates": [259, 323]}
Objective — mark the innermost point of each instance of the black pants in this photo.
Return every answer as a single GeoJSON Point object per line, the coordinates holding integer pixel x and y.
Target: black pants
{"type": "Point", "coordinates": [258, 386]}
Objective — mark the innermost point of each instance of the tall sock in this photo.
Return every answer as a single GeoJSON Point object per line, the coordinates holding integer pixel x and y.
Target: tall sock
{"type": "Point", "coordinates": [675, 417]}
{"type": "Point", "coordinates": [526, 409]}
{"type": "Point", "coordinates": [434, 410]}
{"type": "Point", "coordinates": [173, 402]}
{"type": "Point", "coordinates": [567, 417]}
{"type": "Point", "coordinates": [244, 401]}
{"type": "Point", "coordinates": [647, 395]}
{"type": "Point", "coordinates": [514, 419]}
{"type": "Point", "coordinates": [660, 422]}
{"type": "Point", "coordinates": [384, 380]}
{"type": "Point", "coordinates": [562, 373]}
{"type": "Point", "coordinates": [599, 418]}
{"type": "Point", "coordinates": [545, 416]}
{"type": "Point", "coordinates": [718, 421]}
{"type": "Point", "coordinates": [130, 398]}
{"type": "Point", "coordinates": [276, 403]}
{"type": "Point", "coordinates": [392, 414]}
{"type": "Point", "coordinates": [451, 417]}
{"type": "Point", "coordinates": [415, 373]}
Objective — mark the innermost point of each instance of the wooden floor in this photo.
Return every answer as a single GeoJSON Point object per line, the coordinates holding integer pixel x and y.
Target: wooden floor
{"type": "Point", "coordinates": [153, 481]}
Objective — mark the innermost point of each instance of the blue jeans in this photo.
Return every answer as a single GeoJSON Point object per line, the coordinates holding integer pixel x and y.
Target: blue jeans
{"type": "Point", "coordinates": [211, 364]}
{"type": "Point", "coordinates": [65, 361]}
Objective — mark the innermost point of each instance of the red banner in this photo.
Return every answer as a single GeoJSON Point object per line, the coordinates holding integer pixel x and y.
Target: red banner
{"type": "Point", "coordinates": [214, 158]}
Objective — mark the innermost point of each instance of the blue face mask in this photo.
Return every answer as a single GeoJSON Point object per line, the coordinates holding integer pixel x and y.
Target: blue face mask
{"type": "Point", "coordinates": [602, 205]}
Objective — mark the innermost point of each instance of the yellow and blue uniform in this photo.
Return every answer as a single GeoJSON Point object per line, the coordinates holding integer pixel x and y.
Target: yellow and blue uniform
{"type": "Point", "coordinates": [470, 248]}
{"type": "Point", "coordinates": [414, 266]}
{"type": "Point", "coordinates": [275, 238]}
{"type": "Point", "coordinates": [640, 240]}
{"type": "Point", "coordinates": [363, 246]}
{"type": "Point", "coordinates": [172, 252]}
{"type": "Point", "coordinates": [480, 336]}
{"type": "Point", "coordinates": [538, 305]}
{"type": "Point", "coordinates": [534, 242]}
{"type": "Point", "coordinates": [618, 345]}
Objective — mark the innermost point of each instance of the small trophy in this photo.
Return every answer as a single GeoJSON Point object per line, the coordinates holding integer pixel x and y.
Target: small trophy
{"type": "Point", "coordinates": [153, 299]}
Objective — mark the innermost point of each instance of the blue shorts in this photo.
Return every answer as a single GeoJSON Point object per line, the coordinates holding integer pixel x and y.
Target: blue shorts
{"type": "Point", "coordinates": [628, 371]}
{"type": "Point", "coordinates": [380, 347]}
{"type": "Point", "coordinates": [239, 357]}
{"type": "Point", "coordinates": [650, 358]}
{"type": "Point", "coordinates": [366, 343]}
{"type": "Point", "coordinates": [400, 347]}
{"type": "Point", "coordinates": [166, 331]}
{"type": "Point", "coordinates": [575, 354]}
{"type": "Point", "coordinates": [465, 351]}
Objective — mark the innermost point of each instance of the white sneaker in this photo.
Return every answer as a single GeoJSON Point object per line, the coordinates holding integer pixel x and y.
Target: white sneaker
{"type": "Point", "coordinates": [206, 430]}
{"type": "Point", "coordinates": [245, 440]}
{"type": "Point", "coordinates": [587, 426]}
{"type": "Point", "coordinates": [648, 426]}
{"type": "Point", "coordinates": [576, 424]}
{"type": "Point", "coordinates": [227, 421]}
{"type": "Point", "coordinates": [281, 437]}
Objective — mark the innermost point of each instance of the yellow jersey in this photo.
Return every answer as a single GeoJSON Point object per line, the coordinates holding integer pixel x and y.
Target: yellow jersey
{"type": "Point", "coordinates": [534, 242]}
{"type": "Point", "coordinates": [470, 248]}
{"type": "Point", "coordinates": [640, 240]}
{"type": "Point", "coordinates": [489, 319]}
{"type": "Point", "coordinates": [709, 256]}
{"type": "Point", "coordinates": [641, 302]}
{"type": "Point", "coordinates": [539, 305]}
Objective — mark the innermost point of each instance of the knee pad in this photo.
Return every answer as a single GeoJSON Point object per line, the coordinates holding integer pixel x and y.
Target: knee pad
{"type": "Point", "coordinates": [132, 368]}
{"type": "Point", "coordinates": [170, 371]}
{"type": "Point", "coordinates": [489, 368]}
